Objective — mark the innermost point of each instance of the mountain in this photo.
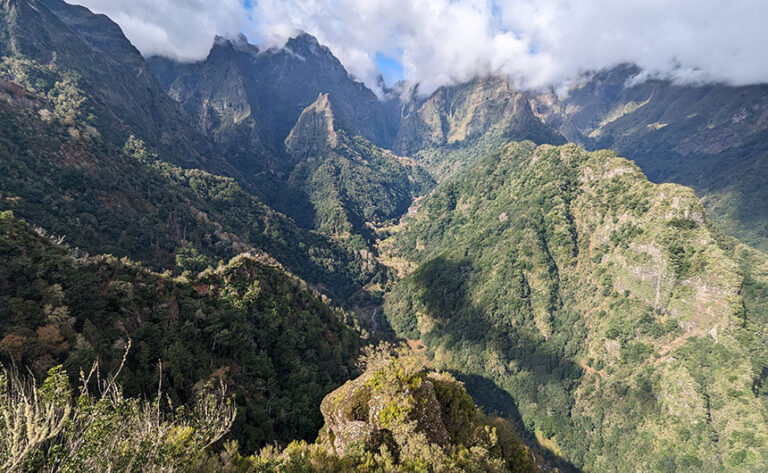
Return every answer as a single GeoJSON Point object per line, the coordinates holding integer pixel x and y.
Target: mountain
{"type": "Point", "coordinates": [303, 134]}
{"type": "Point", "coordinates": [84, 64]}
{"type": "Point", "coordinates": [278, 347]}
{"type": "Point", "coordinates": [608, 310]}
{"type": "Point", "coordinates": [350, 185]}
{"type": "Point", "coordinates": [712, 137]}
{"type": "Point", "coordinates": [443, 131]}
{"type": "Point", "coordinates": [248, 99]}
{"type": "Point", "coordinates": [68, 180]}
{"type": "Point", "coordinates": [230, 201]}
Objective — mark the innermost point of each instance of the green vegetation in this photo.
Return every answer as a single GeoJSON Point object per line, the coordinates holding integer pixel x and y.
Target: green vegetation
{"type": "Point", "coordinates": [604, 316]}
{"type": "Point", "coordinates": [352, 188]}
{"type": "Point", "coordinates": [711, 137]}
{"type": "Point", "coordinates": [308, 148]}
{"type": "Point", "coordinates": [624, 327]}
{"type": "Point", "coordinates": [447, 160]}
{"type": "Point", "coordinates": [247, 323]}
{"type": "Point", "coordinates": [426, 423]}
{"type": "Point", "coordinates": [456, 125]}
{"type": "Point", "coordinates": [83, 64]}
{"type": "Point", "coordinates": [50, 429]}
{"type": "Point", "coordinates": [67, 180]}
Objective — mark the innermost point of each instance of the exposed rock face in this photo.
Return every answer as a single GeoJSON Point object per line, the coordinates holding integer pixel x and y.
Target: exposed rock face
{"type": "Point", "coordinates": [618, 109]}
{"type": "Point", "coordinates": [314, 132]}
{"type": "Point", "coordinates": [402, 418]}
{"type": "Point", "coordinates": [357, 412]}
{"type": "Point", "coordinates": [276, 85]}
{"type": "Point", "coordinates": [712, 137]}
{"type": "Point", "coordinates": [347, 414]}
{"type": "Point", "coordinates": [456, 114]}
{"type": "Point", "coordinates": [303, 133]}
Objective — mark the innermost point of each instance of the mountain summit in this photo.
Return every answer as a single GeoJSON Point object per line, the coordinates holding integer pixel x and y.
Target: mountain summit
{"type": "Point", "coordinates": [279, 83]}
{"type": "Point", "coordinates": [314, 132]}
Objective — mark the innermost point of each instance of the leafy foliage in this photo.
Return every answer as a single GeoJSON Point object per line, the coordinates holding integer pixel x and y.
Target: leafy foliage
{"type": "Point", "coordinates": [84, 64]}
{"type": "Point", "coordinates": [711, 137]}
{"type": "Point", "coordinates": [72, 183]}
{"type": "Point", "coordinates": [45, 429]}
{"type": "Point", "coordinates": [605, 307]}
{"type": "Point", "coordinates": [246, 322]}
{"type": "Point", "coordinates": [352, 187]}
{"type": "Point", "coordinates": [405, 442]}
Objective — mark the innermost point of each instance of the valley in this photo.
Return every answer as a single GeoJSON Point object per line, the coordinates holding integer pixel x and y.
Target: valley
{"type": "Point", "coordinates": [481, 278]}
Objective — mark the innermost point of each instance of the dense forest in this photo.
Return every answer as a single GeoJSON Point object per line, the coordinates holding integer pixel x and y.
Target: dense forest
{"type": "Point", "coordinates": [246, 322]}
{"type": "Point", "coordinates": [125, 201]}
{"type": "Point", "coordinates": [607, 307]}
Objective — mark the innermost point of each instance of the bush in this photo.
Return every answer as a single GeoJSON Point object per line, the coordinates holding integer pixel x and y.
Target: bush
{"type": "Point", "coordinates": [47, 429]}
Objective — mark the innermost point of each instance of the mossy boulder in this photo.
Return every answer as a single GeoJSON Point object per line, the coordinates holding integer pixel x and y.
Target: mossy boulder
{"type": "Point", "coordinates": [361, 411]}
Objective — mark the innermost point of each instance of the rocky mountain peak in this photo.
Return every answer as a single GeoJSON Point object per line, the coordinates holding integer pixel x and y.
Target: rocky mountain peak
{"type": "Point", "coordinates": [223, 46]}
{"type": "Point", "coordinates": [315, 129]}
{"type": "Point", "coordinates": [461, 113]}
{"type": "Point", "coordinates": [305, 43]}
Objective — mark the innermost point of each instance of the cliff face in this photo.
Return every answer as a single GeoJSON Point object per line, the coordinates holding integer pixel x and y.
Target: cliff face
{"type": "Point", "coordinates": [248, 99]}
{"type": "Point", "coordinates": [603, 312]}
{"type": "Point", "coordinates": [639, 117]}
{"type": "Point", "coordinates": [455, 114]}
{"type": "Point", "coordinates": [456, 125]}
{"type": "Point", "coordinates": [314, 132]}
{"type": "Point", "coordinates": [356, 412]}
{"type": "Point", "coordinates": [304, 134]}
{"type": "Point", "coordinates": [712, 137]}
{"type": "Point", "coordinates": [340, 183]}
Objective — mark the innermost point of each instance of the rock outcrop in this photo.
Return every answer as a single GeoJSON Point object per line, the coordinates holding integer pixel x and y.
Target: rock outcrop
{"type": "Point", "coordinates": [314, 132]}
{"type": "Point", "coordinates": [358, 412]}
{"type": "Point", "coordinates": [398, 410]}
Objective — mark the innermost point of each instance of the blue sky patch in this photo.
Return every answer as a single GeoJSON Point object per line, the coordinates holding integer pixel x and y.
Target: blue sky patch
{"type": "Point", "coordinates": [391, 69]}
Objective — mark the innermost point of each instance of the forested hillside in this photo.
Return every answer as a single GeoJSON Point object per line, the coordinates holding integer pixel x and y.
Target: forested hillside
{"type": "Point", "coordinates": [309, 148]}
{"type": "Point", "coordinates": [399, 417]}
{"type": "Point", "coordinates": [97, 77]}
{"type": "Point", "coordinates": [626, 328]}
{"type": "Point", "coordinates": [711, 137]}
{"type": "Point", "coordinates": [246, 322]}
{"type": "Point", "coordinates": [350, 186]}
{"type": "Point", "coordinates": [66, 179]}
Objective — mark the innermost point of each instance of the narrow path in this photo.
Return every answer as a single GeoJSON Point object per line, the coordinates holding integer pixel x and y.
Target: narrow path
{"type": "Point", "coordinates": [676, 343]}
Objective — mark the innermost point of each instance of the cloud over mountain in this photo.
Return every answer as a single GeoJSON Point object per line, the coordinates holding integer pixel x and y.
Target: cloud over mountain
{"type": "Point", "coordinates": [538, 42]}
{"type": "Point", "coordinates": [182, 29]}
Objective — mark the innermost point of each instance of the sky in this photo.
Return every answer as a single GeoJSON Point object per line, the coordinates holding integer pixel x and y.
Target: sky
{"type": "Point", "coordinates": [539, 43]}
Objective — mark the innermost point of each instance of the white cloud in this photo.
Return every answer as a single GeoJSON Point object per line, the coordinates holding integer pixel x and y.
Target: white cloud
{"type": "Point", "coordinates": [182, 29]}
{"type": "Point", "coordinates": [538, 42]}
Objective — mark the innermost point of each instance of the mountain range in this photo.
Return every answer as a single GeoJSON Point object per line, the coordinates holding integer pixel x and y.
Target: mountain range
{"type": "Point", "coordinates": [587, 266]}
